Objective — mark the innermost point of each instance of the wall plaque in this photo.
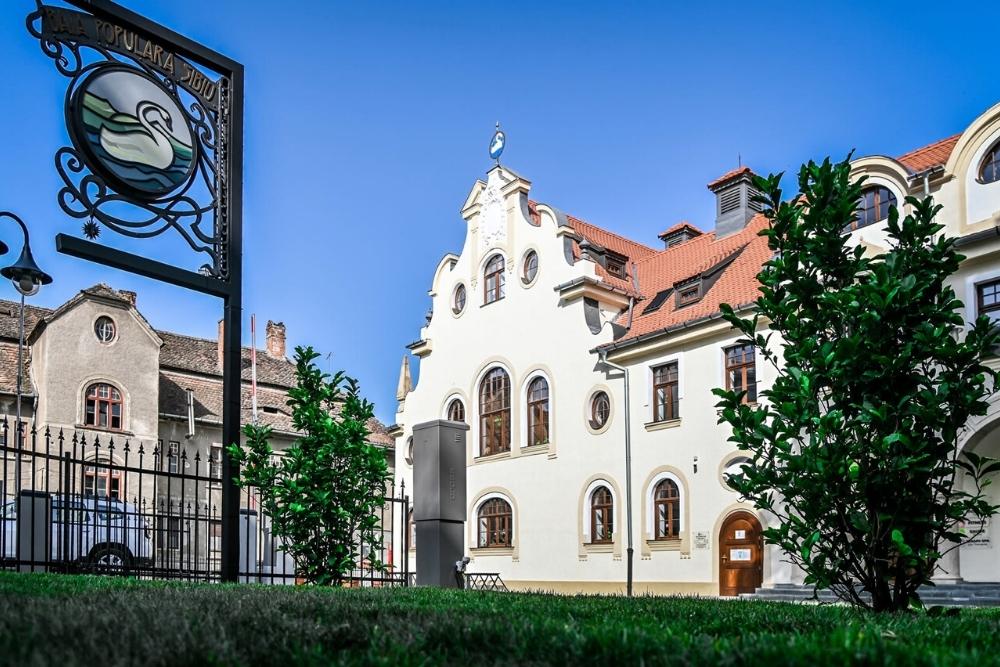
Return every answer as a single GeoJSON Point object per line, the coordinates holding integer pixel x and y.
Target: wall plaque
{"type": "Point", "coordinates": [701, 540]}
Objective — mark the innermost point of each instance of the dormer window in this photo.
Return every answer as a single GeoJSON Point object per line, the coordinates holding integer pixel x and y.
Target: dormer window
{"type": "Point", "coordinates": [615, 264]}
{"type": "Point", "coordinates": [873, 207]}
{"type": "Point", "coordinates": [688, 294]}
{"type": "Point", "coordinates": [989, 170]}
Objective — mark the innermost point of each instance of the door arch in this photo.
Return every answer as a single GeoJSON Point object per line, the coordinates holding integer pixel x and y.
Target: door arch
{"type": "Point", "coordinates": [741, 554]}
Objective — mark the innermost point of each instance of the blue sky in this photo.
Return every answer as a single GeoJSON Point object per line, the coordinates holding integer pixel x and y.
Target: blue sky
{"type": "Point", "coordinates": [367, 123]}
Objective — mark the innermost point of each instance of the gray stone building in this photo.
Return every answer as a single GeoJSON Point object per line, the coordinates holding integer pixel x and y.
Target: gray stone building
{"type": "Point", "coordinates": [98, 376]}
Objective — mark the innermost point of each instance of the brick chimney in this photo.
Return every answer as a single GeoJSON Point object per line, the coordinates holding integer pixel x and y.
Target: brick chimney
{"type": "Point", "coordinates": [275, 333]}
{"type": "Point", "coordinates": [129, 295]}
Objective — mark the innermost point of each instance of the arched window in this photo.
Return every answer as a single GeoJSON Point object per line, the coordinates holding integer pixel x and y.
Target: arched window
{"type": "Point", "coordinates": [103, 407]}
{"type": "Point", "coordinates": [989, 170]}
{"type": "Point", "coordinates": [666, 510]}
{"type": "Point", "coordinates": [103, 481]}
{"type": "Point", "coordinates": [456, 411]}
{"type": "Point", "coordinates": [874, 206]}
{"type": "Point", "coordinates": [494, 413]}
{"type": "Point", "coordinates": [494, 281]}
{"type": "Point", "coordinates": [538, 412]}
{"type": "Point", "coordinates": [495, 520]}
{"type": "Point", "coordinates": [602, 521]}
{"type": "Point", "coordinates": [600, 410]}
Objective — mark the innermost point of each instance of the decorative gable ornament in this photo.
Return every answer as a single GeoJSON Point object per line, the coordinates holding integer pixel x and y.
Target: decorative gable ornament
{"type": "Point", "coordinates": [492, 216]}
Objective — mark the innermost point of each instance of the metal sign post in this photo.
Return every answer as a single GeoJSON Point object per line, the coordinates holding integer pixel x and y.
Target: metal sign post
{"type": "Point", "coordinates": [156, 125]}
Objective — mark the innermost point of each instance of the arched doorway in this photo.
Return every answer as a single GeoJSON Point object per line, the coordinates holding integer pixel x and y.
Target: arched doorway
{"type": "Point", "coordinates": [741, 549]}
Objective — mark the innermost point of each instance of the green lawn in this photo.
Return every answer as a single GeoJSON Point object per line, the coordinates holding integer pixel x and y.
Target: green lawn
{"type": "Point", "coordinates": [69, 620]}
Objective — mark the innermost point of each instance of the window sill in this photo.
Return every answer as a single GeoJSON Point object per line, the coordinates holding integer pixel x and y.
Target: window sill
{"type": "Point", "coordinates": [492, 457]}
{"type": "Point", "coordinates": [673, 544]}
{"type": "Point", "coordinates": [659, 426]}
{"type": "Point", "coordinates": [492, 551]}
{"type": "Point", "coordinates": [599, 547]}
{"type": "Point", "coordinates": [109, 431]}
{"type": "Point", "coordinates": [535, 449]}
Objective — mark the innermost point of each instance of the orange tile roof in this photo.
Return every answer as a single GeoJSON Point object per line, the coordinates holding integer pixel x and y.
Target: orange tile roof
{"type": "Point", "coordinates": [728, 176]}
{"type": "Point", "coordinates": [661, 269]}
{"type": "Point", "coordinates": [633, 250]}
{"type": "Point", "coordinates": [682, 225]}
{"type": "Point", "coordinates": [736, 286]}
{"type": "Point", "coordinates": [933, 155]}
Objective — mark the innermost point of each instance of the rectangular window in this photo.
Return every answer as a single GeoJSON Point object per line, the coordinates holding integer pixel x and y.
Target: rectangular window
{"type": "Point", "coordinates": [988, 300]}
{"type": "Point", "coordinates": [215, 542]}
{"type": "Point", "coordinates": [741, 371]}
{"type": "Point", "coordinates": [173, 456]}
{"type": "Point", "coordinates": [616, 267]}
{"type": "Point", "coordinates": [688, 294]}
{"type": "Point", "coordinates": [170, 532]}
{"type": "Point", "coordinates": [665, 400]}
{"type": "Point", "coordinates": [215, 462]}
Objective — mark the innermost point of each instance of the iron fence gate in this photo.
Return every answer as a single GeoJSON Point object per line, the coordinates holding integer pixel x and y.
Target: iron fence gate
{"type": "Point", "coordinates": [80, 502]}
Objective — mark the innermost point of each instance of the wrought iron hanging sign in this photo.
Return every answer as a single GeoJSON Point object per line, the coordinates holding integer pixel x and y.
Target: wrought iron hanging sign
{"type": "Point", "coordinates": [156, 123]}
{"type": "Point", "coordinates": [149, 134]}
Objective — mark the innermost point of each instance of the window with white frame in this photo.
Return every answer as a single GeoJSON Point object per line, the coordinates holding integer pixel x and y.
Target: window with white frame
{"type": "Point", "coordinates": [215, 462]}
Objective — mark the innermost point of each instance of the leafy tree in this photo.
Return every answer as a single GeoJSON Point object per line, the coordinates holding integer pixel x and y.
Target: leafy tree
{"type": "Point", "coordinates": [323, 493]}
{"type": "Point", "coordinates": [854, 451]}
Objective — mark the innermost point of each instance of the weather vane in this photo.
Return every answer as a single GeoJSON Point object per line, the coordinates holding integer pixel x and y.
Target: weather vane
{"type": "Point", "coordinates": [497, 144]}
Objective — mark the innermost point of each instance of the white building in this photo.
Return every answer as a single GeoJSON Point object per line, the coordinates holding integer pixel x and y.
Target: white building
{"type": "Point", "coordinates": [524, 315]}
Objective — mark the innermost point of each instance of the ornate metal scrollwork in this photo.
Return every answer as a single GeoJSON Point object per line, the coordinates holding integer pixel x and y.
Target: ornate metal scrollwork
{"type": "Point", "coordinates": [193, 200]}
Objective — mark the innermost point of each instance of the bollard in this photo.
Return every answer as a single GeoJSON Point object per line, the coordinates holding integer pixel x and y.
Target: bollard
{"type": "Point", "coordinates": [439, 503]}
{"type": "Point", "coordinates": [34, 531]}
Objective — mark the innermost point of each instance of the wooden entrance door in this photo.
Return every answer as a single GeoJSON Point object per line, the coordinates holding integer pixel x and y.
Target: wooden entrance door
{"type": "Point", "coordinates": [741, 562]}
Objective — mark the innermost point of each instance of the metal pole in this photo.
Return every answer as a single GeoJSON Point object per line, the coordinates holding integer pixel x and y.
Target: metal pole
{"type": "Point", "coordinates": [232, 342]}
{"type": "Point", "coordinates": [628, 471]}
{"type": "Point", "coordinates": [20, 366]}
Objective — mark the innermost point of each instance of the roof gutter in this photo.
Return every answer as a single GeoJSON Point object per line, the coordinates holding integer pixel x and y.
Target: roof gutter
{"type": "Point", "coordinates": [977, 237]}
{"type": "Point", "coordinates": [926, 176]}
{"type": "Point", "coordinates": [583, 280]}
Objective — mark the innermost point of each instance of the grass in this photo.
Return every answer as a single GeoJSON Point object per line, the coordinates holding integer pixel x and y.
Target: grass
{"type": "Point", "coordinates": [73, 620]}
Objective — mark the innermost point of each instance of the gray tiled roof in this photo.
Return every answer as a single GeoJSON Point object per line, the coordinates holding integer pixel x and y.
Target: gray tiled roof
{"type": "Point", "coordinates": [186, 363]}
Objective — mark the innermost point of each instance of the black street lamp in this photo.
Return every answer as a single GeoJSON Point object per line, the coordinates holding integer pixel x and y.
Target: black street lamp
{"type": "Point", "coordinates": [28, 279]}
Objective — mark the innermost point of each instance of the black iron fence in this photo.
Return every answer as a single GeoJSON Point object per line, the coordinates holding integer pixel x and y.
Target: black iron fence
{"type": "Point", "coordinates": [85, 502]}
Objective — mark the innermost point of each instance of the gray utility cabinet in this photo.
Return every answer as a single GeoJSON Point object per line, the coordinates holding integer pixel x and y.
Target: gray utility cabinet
{"type": "Point", "coordinates": [439, 500]}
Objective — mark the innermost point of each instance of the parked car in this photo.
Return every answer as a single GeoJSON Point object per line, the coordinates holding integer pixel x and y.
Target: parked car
{"type": "Point", "coordinates": [100, 533]}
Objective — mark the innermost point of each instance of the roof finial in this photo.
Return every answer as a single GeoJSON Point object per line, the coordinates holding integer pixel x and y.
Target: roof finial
{"type": "Point", "coordinates": [739, 160]}
{"type": "Point", "coordinates": [497, 144]}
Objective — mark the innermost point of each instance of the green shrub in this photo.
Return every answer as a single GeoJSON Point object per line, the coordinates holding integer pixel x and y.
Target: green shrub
{"type": "Point", "coordinates": [854, 450]}
{"type": "Point", "coordinates": [324, 493]}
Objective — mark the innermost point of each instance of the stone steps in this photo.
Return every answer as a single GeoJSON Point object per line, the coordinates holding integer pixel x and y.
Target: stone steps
{"type": "Point", "coordinates": [954, 595]}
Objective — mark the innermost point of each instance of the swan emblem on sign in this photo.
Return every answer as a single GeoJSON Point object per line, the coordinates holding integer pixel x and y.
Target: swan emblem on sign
{"type": "Point", "coordinates": [497, 143]}
{"type": "Point", "coordinates": [150, 146]}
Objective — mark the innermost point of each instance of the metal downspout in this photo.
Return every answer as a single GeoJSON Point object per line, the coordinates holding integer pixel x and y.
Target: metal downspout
{"type": "Point", "coordinates": [628, 469]}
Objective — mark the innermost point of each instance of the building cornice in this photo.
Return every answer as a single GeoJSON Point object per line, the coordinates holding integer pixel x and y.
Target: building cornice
{"type": "Point", "coordinates": [586, 286]}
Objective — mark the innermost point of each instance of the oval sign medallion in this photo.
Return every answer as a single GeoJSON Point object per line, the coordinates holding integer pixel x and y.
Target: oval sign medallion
{"type": "Point", "coordinates": [132, 132]}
